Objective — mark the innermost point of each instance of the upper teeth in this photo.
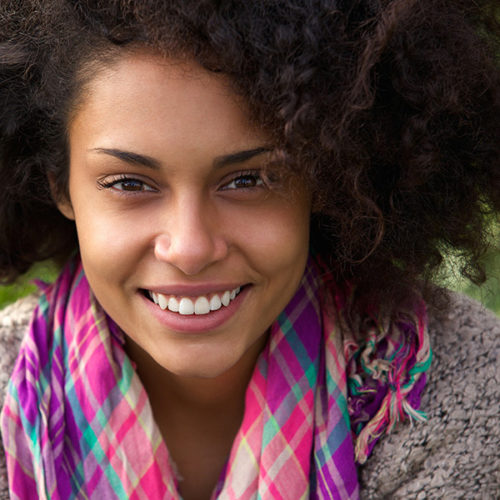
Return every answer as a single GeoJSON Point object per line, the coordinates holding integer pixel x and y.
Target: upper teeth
{"type": "Point", "coordinates": [200, 305]}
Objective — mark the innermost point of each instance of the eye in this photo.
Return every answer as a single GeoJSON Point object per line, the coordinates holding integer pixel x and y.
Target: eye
{"type": "Point", "coordinates": [245, 180]}
{"type": "Point", "coordinates": [125, 184]}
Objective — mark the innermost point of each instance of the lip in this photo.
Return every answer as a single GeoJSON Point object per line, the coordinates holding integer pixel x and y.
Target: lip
{"type": "Point", "coordinates": [195, 324]}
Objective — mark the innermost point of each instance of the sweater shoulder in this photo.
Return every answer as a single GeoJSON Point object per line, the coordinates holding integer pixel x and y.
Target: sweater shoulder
{"type": "Point", "coordinates": [454, 453]}
{"type": "Point", "coordinates": [14, 322]}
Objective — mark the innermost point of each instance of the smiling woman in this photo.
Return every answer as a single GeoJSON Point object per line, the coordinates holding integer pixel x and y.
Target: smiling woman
{"type": "Point", "coordinates": [247, 201]}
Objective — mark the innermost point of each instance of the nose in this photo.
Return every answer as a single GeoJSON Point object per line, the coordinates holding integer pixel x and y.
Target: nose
{"type": "Point", "coordinates": [193, 238]}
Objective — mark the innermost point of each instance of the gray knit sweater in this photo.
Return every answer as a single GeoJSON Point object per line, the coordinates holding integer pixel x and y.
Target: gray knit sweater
{"type": "Point", "coordinates": [456, 454]}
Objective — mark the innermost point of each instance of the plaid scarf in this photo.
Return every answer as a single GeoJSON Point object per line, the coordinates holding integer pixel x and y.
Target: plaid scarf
{"type": "Point", "coordinates": [77, 422]}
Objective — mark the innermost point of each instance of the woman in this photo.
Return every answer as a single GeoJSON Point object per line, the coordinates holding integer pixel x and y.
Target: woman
{"type": "Point", "coordinates": [226, 184]}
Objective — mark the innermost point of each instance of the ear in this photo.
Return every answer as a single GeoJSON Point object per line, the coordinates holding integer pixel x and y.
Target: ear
{"type": "Point", "coordinates": [62, 201]}
{"type": "Point", "coordinates": [66, 208]}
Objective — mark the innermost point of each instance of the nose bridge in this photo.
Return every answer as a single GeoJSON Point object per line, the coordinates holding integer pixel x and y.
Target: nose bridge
{"type": "Point", "coordinates": [191, 238]}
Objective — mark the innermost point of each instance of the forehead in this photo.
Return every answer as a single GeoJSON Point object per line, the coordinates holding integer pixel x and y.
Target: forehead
{"type": "Point", "coordinates": [143, 95]}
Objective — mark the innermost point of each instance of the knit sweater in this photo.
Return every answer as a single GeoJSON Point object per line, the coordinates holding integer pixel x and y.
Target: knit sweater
{"type": "Point", "coordinates": [456, 454]}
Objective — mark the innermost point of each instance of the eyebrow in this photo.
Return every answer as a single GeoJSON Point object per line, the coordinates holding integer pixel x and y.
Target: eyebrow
{"type": "Point", "coordinates": [130, 157]}
{"type": "Point", "coordinates": [148, 161]}
{"type": "Point", "coordinates": [239, 156]}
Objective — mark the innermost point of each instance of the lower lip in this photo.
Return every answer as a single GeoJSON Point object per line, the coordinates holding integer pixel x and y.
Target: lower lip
{"type": "Point", "coordinates": [196, 323]}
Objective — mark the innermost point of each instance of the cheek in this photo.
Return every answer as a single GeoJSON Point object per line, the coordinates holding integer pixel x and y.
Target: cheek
{"type": "Point", "coordinates": [110, 243]}
{"type": "Point", "coordinates": [276, 237]}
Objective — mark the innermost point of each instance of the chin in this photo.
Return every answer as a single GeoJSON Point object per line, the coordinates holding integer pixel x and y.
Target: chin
{"type": "Point", "coordinates": [201, 366]}
{"type": "Point", "coordinates": [202, 372]}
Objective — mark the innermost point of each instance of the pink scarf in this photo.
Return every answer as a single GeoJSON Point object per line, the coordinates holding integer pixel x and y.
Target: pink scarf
{"type": "Point", "coordinates": [77, 422]}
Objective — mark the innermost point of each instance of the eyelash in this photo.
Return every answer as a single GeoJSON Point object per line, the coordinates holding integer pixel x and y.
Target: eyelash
{"type": "Point", "coordinates": [254, 175]}
{"type": "Point", "coordinates": [112, 183]}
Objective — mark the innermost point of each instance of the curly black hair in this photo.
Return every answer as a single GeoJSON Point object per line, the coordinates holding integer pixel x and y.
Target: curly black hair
{"type": "Point", "coordinates": [389, 108]}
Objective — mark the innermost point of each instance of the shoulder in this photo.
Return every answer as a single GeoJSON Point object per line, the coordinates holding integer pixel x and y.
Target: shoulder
{"type": "Point", "coordinates": [456, 452]}
{"type": "Point", "coordinates": [14, 321]}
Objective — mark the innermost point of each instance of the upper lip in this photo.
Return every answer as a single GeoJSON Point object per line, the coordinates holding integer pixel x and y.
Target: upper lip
{"type": "Point", "coordinates": [193, 289]}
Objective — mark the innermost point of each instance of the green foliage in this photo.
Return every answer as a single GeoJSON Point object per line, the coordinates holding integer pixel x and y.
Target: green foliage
{"type": "Point", "coordinates": [25, 285]}
{"type": "Point", "coordinates": [489, 292]}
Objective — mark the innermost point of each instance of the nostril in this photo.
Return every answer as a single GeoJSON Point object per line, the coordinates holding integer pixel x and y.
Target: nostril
{"type": "Point", "coordinates": [191, 255]}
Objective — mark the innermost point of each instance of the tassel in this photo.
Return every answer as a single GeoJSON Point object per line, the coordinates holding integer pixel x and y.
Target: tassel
{"type": "Point", "coordinates": [396, 369]}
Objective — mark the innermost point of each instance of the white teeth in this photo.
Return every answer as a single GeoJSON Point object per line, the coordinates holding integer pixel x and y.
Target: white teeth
{"type": "Point", "coordinates": [162, 301]}
{"type": "Point", "coordinates": [201, 306]}
{"type": "Point", "coordinates": [215, 303]}
{"type": "Point", "coordinates": [173, 304]}
{"type": "Point", "coordinates": [186, 306]}
{"type": "Point", "coordinates": [226, 298]}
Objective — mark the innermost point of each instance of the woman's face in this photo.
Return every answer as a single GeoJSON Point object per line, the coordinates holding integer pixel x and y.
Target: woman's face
{"type": "Point", "coordinates": [168, 198]}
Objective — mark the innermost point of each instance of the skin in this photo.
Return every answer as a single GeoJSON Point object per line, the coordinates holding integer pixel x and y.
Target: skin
{"type": "Point", "coordinates": [184, 219]}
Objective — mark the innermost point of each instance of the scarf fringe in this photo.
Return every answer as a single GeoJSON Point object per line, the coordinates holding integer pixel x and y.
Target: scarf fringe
{"type": "Point", "coordinates": [394, 359]}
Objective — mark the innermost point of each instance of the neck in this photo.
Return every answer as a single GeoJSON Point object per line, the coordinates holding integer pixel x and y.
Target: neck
{"type": "Point", "coordinates": [197, 417]}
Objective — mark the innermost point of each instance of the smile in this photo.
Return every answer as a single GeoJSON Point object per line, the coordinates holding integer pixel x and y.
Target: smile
{"type": "Point", "coordinates": [202, 304]}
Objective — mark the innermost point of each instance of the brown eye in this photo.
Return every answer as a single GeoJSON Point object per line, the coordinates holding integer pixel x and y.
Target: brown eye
{"type": "Point", "coordinates": [125, 184]}
{"type": "Point", "coordinates": [130, 185]}
{"type": "Point", "coordinates": [245, 181]}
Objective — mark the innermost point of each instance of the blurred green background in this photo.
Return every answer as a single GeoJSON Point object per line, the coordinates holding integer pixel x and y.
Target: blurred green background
{"type": "Point", "coordinates": [488, 293]}
{"type": "Point", "coordinates": [24, 286]}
